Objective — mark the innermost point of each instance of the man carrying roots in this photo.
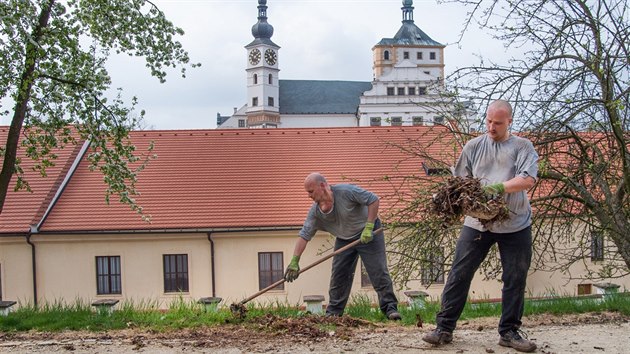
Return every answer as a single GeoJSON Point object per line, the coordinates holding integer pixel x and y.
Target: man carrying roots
{"type": "Point", "coordinates": [348, 212]}
{"type": "Point", "coordinates": [507, 166]}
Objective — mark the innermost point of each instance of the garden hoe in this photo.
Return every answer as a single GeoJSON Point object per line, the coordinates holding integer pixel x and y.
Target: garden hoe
{"type": "Point", "coordinates": [239, 310]}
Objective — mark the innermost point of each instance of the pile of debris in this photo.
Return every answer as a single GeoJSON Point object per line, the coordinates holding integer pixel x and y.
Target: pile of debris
{"type": "Point", "coordinates": [465, 196]}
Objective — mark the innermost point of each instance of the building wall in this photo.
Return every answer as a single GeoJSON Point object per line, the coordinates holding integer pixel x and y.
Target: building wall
{"type": "Point", "coordinates": [66, 269]}
{"type": "Point", "coordinates": [66, 266]}
{"type": "Point", "coordinates": [15, 269]}
{"type": "Point", "coordinates": [318, 120]}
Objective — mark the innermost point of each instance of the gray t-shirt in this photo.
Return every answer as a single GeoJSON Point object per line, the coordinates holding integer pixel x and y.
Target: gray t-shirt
{"type": "Point", "coordinates": [347, 217]}
{"type": "Point", "coordinates": [494, 162]}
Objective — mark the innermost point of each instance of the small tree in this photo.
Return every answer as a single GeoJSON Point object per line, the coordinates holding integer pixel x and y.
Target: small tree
{"type": "Point", "coordinates": [569, 86]}
{"type": "Point", "coordinates": [53, 55]}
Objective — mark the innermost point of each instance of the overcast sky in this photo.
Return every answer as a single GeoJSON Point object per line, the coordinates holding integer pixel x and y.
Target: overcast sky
{"type": "Point", "coordinates": [318, 39]}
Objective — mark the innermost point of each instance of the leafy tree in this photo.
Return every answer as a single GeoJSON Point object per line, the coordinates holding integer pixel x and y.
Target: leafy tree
{"type": "Point", "coordinates": [569, 84]}
{"type": "Point", "coordinates": [53, 56]}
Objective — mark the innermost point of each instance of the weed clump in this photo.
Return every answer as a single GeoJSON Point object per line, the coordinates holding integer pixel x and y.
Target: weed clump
{"type": "Point", "coordinates": [465, 196]}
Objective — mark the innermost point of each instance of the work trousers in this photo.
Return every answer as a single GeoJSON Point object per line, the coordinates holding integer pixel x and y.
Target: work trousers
{"type": "Point", "coordinates": [515, 250]}
{"type": "Point", "coordinates": [343, 266]}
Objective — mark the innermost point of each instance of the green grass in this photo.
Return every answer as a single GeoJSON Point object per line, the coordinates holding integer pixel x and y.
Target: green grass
{"type": "Point", "coordinates": [80, 315]}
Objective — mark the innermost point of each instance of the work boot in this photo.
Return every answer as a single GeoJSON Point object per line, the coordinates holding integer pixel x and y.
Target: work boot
{"type": "Point", "coordinates": [394, 316]}
{"type": "Point", "coordinates": [513, 339]}
{"type": "Point", "coordinates": [438, 336]}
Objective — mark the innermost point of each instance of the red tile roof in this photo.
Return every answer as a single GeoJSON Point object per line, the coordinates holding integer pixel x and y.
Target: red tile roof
{"type": "Point", "coordinates": [208, 179]}
{"type": "Point", "coordinates": [23, 208]}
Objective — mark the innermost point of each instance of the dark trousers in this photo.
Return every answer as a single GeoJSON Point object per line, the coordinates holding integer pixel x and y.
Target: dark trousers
{"type": "Point", "coordinates": [515, 250]}
{"type": "Point", "coordinates": [343, 266]}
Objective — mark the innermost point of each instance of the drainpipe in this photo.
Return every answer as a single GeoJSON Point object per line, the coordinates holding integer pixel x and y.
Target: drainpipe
{"type": "Point", "coordinates": [214, 293]}
{"type": "Point", "coordinates": [34, 265]}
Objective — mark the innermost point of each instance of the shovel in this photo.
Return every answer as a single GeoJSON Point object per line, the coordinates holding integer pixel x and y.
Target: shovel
{"type": "Point", "coordinates": [238, 309]}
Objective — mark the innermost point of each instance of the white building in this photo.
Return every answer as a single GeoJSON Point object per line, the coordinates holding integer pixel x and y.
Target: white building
{"type": "Point", "coordinates": [407, 86]}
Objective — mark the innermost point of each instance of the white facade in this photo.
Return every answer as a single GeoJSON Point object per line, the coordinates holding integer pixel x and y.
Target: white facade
{"type": "Point", "coordinates": [407, 86]}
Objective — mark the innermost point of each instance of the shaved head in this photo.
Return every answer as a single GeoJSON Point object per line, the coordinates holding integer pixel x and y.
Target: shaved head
{"type": "Point", "coordinates": [501, 105]}
{"type": "Point", "coordinates": [315, 177]}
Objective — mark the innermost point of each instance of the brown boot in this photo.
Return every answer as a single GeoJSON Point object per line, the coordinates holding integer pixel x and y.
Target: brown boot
{"type": "Point", "coordinates": [438, 336]}
{"type": "Point", "coordinates": [513, 339]}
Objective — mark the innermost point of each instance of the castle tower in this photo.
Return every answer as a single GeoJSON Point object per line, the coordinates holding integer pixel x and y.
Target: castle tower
{"type": "Point", "coordinates": [262, 74]}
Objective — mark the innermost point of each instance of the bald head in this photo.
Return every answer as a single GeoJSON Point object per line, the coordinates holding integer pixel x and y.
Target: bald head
{"type": "Point", "coordinates": [315, 177]}
{"type": "Point", "coordinates": [501, 105]}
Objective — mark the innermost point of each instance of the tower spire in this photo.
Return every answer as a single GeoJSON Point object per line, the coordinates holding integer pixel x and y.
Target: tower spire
{"type": "Point", "coordinates": [262, 29]}
{"type": "Point", "coordinates": [407, 10]}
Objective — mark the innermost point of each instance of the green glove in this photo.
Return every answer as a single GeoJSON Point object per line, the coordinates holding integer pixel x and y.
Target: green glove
{"type": "Point", "coordinates": [293, 270]}
{"type": "Point", "coordinates": [366, 235]}
{"type": "Point", "coordinates": [494, 190]}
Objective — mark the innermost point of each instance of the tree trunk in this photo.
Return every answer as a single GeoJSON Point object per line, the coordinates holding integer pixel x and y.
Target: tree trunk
{"type": "Point", "coordinates": [21, 104]}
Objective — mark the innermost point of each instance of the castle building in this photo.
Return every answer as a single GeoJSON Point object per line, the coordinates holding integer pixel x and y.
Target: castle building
{"type": "Point", "coordinates": [407, 87]}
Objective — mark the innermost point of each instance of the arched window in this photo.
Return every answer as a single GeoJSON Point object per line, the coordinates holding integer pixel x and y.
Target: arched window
{"type": "Point", "coordinates": [255, 79]}
{"type": "Point", "coordinates": [386, 55]}
{"type": "Point", "coordinates": [270, 79]}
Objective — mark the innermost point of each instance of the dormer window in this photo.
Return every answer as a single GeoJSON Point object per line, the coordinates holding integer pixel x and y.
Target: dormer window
{"type": "Point", "coordinates": [432, 170]}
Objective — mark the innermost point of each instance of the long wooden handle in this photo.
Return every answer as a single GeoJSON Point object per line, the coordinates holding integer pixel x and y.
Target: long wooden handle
{"type": "Point", "coordinates": [348, 246]}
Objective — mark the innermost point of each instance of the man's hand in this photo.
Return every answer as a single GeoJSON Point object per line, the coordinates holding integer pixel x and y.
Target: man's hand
{"type": "Point", "coordinates": [494, 190]}
{"type": "Point", "coordinates": [366, 235]}
{"type": "Point", "coordinates": [293, 270]}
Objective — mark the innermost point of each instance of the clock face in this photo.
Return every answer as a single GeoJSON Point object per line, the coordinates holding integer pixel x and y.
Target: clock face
{"type": "Point", "coordinates": [254, 57]}
{"type": "Point", "coordinates": [270, 56]}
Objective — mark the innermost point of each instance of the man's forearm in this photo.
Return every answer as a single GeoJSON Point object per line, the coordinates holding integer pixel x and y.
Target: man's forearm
{"type": "Point", "coordinates": [372, 211]}
{"type": "Point", "coordinates": [300, 246]}
{"type": "Point", "coordinates": [518, 184]}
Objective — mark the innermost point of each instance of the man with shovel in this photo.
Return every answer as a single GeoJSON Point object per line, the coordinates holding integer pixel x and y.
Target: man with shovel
{"type": "Point", "coordinates": [349, 213]}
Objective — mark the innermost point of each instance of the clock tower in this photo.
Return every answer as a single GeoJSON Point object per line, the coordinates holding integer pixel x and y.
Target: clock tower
{"type": "Point", "coordinates": [262, 75]}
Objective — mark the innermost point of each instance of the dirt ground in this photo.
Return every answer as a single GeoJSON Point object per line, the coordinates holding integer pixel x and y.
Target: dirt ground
{"type": "Point", "coordinates": [585, 333]}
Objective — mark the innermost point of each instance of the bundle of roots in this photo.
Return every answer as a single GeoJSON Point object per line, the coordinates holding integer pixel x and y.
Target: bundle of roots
{"type": "Point", "coordinates": [465, 196]}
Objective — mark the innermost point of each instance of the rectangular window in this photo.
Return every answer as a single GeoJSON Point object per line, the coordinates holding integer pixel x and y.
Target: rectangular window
{"type": "Point", "coordinates": [432, 55]}
{"type": "Point", "coordinates": [270, 269]}
{"type": "Point", "coordinates": [438, 120]}
{"type": "Point", "coordinates": [401, 91]}
{"type": "Point", "coordinates": [254, 101]}
{"type": "Point", "coordinates": [405, 55]}
{"type": "Point", "coordinates": [365, 279]}
{"type": "Point", "coordinates": [375, 121]}
{"type": "Point", "coordinates": [270, 101]}
{"type": "Point", "coordinates": [597, 246]}
{"type": "Point", "coordinates": [419, 55]}
{"type": "Point", "coordinates": [396, 121]}
{"type": "Point", "coordinates": [422, 91]}
{"type": "Point", "coordinates": [108, 280]}
{"type": "Point", "coordinates": [417, 120]}
{"type": "Point", "coordinates": [584, 289]}
{"type": "Point", "coordinates": [411, 91]}
{"type": "Point", "coordinates": [175, 273]}
{"type": "Point", "coordinates": [241, 123]}
{"type": "Point", "coordinates": [390, 91]}
{"type": "Point", "coordinates": [433, 266]}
